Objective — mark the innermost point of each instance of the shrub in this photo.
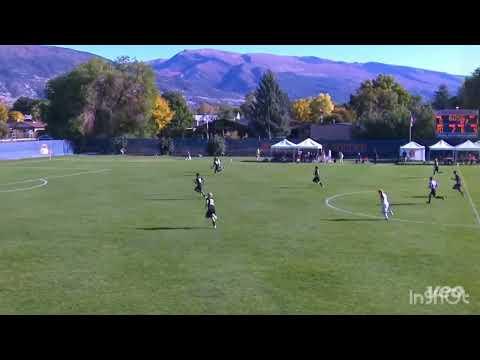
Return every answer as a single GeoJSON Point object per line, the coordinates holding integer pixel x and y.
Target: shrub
{"type": "Point", "coordinates": [167, 147]}
{"type": "Point", "coordinates": [216, 146]}
{"type": "Point", "coordinates": [119, 142]}
{"type": "Point", "coordinates": [3, 130]}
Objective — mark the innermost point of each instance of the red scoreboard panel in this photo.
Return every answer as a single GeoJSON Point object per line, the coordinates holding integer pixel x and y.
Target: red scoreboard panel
{"type": "Point", "coordinates": [456, 123]}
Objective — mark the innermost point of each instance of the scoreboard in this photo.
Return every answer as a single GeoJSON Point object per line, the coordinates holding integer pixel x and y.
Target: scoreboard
{"type": "Point", "coordinates": [456, 123]}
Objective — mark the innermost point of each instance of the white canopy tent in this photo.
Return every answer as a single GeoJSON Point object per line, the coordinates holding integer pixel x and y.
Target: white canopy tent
{"type": "Point", "coordinates": [442, 145]}
{"type": "Point", "coordinates": [309, 144]}
{"type": "Point", "coordinates": [312, 147]}
{"type": "Point", "coordinates": [413, 151]}
{"type": "Point", "coordinates": [283, 145]}
{"type": "Point", "coordinates": [467, 146]}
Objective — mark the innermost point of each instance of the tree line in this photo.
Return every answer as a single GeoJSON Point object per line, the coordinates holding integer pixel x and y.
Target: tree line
{"type": "Point", "coordinates": [112, 99]}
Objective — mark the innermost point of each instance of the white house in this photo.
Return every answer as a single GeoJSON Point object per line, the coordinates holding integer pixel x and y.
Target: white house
{"type": "Point", "coordinates": [204, 119]}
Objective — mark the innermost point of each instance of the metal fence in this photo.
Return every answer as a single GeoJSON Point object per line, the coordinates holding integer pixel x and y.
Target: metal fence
{"type": "Point", "coordinates": [386, 149]}
{"type": "Point", "coordinates": [34, 149]}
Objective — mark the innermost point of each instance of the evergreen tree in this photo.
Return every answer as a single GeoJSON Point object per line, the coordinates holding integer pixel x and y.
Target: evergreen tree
{"type": "Point", "coordinates": [470, 91]}
{"type": "Point", "coordinates": [441, 98]}
{"type": "Point", "coordinates": [270, 108]}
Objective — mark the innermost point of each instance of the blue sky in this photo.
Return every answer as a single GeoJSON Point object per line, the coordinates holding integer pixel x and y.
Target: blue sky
{"type": "Point", "coordinates": [453, 59]}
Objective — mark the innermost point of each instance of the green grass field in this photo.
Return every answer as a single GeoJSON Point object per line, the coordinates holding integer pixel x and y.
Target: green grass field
{"type": "Point", "coordinates": [112, 235]}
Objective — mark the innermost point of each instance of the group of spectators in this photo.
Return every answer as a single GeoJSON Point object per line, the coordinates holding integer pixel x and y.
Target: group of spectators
{"type": "Point", "coordinates": [302, 156]}
{"type": "Point", "coordinates": [468, 159]}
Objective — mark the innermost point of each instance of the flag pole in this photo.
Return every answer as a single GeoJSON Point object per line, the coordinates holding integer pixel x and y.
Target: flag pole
{"type": "Point", "coordinates": [410, 129]}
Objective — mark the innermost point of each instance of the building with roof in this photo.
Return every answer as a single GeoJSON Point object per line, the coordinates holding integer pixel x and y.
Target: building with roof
{"type": "Point", "coordinates": [337, 132]}
{"type": "Point", "coordinates": [27, 129]}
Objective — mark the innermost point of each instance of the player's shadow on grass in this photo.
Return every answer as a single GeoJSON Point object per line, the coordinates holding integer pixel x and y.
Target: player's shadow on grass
{"type": "Point", "coordinates": [292, 187]}
{"type": "Point", "coordinates": [406, 204]}
{"type": "Point", "coordinates": [266, 162]}
{"type": "Point", "coordinates": [159, 228]}
{"type": "Point", "coordinates": [353, 220]}
{"type": "Point", "coordinates": [173, 199]}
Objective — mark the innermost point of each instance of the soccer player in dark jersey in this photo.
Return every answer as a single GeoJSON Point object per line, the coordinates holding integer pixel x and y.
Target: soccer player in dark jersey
{"type": "Point", "coordinates": [458, 183]}
{"type": "Point", "coordinates": [435, 167]}
{"type": "Point", "coordinates": [316, 176]}
{"type": "Point", "coordinates": [433, 186]}
{"type": "Point", "coordinates": [199, 184]}
{"type": "Point", "coordinates": [211, 214]}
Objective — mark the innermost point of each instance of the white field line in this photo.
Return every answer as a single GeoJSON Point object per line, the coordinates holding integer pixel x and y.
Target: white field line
{"type": "Point", "coordinates": [21, 182]}
{"type": "Point", "coordinates": [79, 173]}
{"type": "Point", "coordinates": [44, 180]}
{"type": "Point", "coordinates": [327, 202]}
{"type": "Point", "coordinates": [472, 204]}
{"type": "Point", "coordinates": [43, 183]}
{"type": "Point", "coordinates": [41, 167]}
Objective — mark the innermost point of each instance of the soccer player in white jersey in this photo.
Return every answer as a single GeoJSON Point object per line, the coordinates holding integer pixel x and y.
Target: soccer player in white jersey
{"type": "Point", "coordinates": [217, 165]}
{"type": "Point", "coordinates": [433, 186]}
{"type": "Point", "coordinates": [211, 214]}
{"type": "Point", "coordinates": [385, 205]}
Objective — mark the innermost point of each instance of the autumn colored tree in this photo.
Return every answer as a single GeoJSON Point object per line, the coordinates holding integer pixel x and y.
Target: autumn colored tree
{"type": "Point", "coordinates": [340, 114]}
{"type": "Point", "coordinates": [162, 115]}
{"type": "Point", "coordinates": [320, 106]}
{"type": "Point", "coordinates": [3, 112]}
{"type": "Point", "coordinates": [302, 110]}
{"type": "Point", "coordinates": [183, 117]}
{"type": "Point", "coordinates": [16, 116]}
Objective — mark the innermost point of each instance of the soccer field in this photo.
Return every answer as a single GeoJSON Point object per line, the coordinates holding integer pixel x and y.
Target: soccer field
{"type": "Point", "coordinates": [127, 235]}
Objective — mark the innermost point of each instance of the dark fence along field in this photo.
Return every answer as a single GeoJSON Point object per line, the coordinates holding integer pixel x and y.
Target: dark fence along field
{"type": "Point", "coordinates": [248, 147]}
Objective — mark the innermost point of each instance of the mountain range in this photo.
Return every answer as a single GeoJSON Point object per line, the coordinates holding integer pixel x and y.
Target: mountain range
{"type": "Point", "coordinates": [218, 76]}
{"type": "Point", "coordinates": [24, 70]}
